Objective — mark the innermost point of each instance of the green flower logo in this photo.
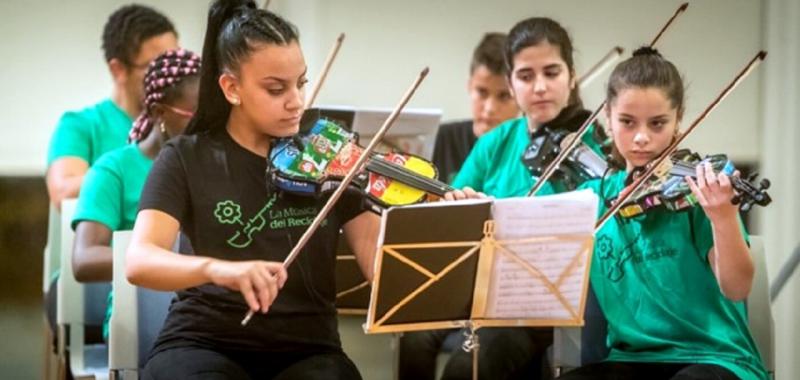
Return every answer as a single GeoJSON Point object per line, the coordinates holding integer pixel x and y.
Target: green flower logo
{"type": "Point", "coordinates": [228, 212]}
{"type": "Point", "coordinates": [605, 247]}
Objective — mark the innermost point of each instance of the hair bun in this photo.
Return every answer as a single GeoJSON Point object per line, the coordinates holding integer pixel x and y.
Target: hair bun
{"type": "Point", "coordinates": [646, 50]}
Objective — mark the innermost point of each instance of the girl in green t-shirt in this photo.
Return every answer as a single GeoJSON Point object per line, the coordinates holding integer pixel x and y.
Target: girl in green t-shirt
{"type": "Point", "coordinates": [671, 284]}
{"type": "Point", "coordinates": [109, 199]}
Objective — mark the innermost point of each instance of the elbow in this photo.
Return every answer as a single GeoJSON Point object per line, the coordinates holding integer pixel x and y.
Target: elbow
{"type": "Point", "coordinates": [739, 290]}
{"type": "Point", "coordinates": [79, 269]}
{"type": "Point", "coordinates": [133, 267]}
{"type": "Point", "coordinates": [736, 295]}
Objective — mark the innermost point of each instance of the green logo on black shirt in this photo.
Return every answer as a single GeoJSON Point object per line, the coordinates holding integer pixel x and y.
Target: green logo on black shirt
{"type": "Point", "coordinates": [229, 212]}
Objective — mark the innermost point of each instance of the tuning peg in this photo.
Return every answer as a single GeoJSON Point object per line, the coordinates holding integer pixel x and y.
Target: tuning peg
{"type": "Point", "coordinates": [736, 199]}
{"type": "Point", "coordinates": [764, 184]}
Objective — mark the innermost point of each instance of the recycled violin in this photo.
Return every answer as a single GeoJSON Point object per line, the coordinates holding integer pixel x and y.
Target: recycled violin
{"type": "Point", "coordinates": [313, 163]}
{"type": "Point", "coordinates": [667, 187]}
{"type": "Point", "coordinates": [347, 179]}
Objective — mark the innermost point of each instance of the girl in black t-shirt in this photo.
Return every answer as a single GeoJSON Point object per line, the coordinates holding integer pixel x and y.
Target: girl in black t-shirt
{"type": "Point", "coordinates": [210, 185]}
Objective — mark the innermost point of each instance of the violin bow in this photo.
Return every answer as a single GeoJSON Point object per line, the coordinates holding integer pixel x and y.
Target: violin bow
{"type": "Point", "coordinates": [326, 67]}
{"type": "Point", "coordinates": [653, 166]}
{"type": "Point", "coordinates": [550, 169]}
{"type": "Point", "coordinates": [600, 66]}
{"type": "Point", "coordinates": [349, 177]}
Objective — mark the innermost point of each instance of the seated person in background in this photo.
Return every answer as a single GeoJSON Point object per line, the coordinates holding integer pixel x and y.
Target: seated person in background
{"type": "Point", "coordinates": [491, 104]}
{"type": "Point", "coordinates": [109, 199]}
{"type": "Point", "coordinates": [132, 37]}
{"type": "Point", "coordinates": [541, 74]}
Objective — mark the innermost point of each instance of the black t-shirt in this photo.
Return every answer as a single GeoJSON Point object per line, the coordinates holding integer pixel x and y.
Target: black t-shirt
{"type": "Point", "coordinates": [454, 141]}
{"type": "Point", "coordinates": [217, 190]}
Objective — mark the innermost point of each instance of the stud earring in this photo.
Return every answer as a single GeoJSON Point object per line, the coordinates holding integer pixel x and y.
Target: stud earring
{"type": "Point", "coordinates": [162, 128]}
{"type": "Point", "coordinates": [235, 101]}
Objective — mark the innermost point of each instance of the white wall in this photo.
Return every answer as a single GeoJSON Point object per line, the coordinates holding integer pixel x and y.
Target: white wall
{"type": "Point", "coordinates": [389, 41]}
{"type": "Point", "coordinates": [52, 62]}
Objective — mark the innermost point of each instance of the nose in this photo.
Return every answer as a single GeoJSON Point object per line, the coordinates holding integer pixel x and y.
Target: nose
{"type": "Point", "coordinates": [489, 107]}
{"type": "Point", "coordinates": [296, 99]}
{"type": "Point", "coordinates": [539, 85]}
{"type": "Point", "coordinates": [641, 138]}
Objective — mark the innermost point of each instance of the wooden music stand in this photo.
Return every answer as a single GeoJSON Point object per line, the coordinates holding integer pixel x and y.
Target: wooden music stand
{"type": "Point", "coordinates": [451, 265]}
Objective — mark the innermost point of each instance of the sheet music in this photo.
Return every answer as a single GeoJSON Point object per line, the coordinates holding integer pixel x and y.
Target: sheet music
{"type": "Point", "coordinates": [517, 292]}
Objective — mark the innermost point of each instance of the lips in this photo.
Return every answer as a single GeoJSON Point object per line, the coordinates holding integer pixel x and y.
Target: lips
{"type": "Point", "coordinates": [293, 119]}
{"type": "Point", "coordinates": [641, 154]}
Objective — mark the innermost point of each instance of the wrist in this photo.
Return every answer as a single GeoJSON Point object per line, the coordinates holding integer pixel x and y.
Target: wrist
{"type": "Point", "coordinates": [207, 269]}
{"type": "Point", "coordinates": [725, 222]}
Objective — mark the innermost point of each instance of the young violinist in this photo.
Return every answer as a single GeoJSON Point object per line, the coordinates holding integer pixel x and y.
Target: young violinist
{"type": "Point", "coordinates": [491, 103]}
{"type": "Point", "coordinates": [671, 284]}
{"type": "Point", "coordinates": [542, 80]}
{"type": "Point", "coordinates": [109, 198]}
{"type": "Point", "coordinates": [210, 185]}
{"type": "Point", "coordinates": [541, 76]}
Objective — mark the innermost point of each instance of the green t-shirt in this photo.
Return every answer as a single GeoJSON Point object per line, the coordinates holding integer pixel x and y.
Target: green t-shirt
{"type": "Point", "coordinates": [90, 132]}
{"type": "Point", "coordinates": [110, 194]}
{"type": "Point", "coordinates": [656, 288]}
{"type": "Point", "coordinates": [495, 167]}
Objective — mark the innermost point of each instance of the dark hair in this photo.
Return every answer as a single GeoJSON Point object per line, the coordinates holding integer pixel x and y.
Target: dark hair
{"type": "Point", "coordinates": [645, 69]}
{"type": "Point", "coordinates": [164, 82]}
{"type": "Point", "coordinates": [535, 30]}
{"type": "Point", "coordinates": [489, 53]}
{"type": "Point", "coordinates": [235, 28]}
{"type": "Point", "coordinates": [128, 27]}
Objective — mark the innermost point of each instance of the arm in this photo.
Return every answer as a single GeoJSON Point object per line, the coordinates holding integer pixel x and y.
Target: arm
{"type": "Point", "coordinates": [64, 178]}
{"type": "Point", "coordinates": [151, 264]}
{"type": "Point", "coordinates": [729, 257]}
{"type": "Point", "coordinates": [362, 235]}
{"type": "Point", "coordinates": [92, 256]}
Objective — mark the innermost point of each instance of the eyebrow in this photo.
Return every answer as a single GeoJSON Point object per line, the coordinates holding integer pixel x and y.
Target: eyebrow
{"type": "Point", "coordinates": [264, 79]}
{"type": "Point", "coordinates": [662, 116]}
{"type": "Point", "coordinates": [551, 66]}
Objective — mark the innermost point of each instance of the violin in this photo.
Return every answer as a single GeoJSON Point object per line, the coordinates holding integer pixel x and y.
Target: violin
{"type": "Point", "coordinates": [313, 163]}
{"type": "Point", "coordinates": [581, 164]}
{"type": "Point", "coordinates": [667, 188]}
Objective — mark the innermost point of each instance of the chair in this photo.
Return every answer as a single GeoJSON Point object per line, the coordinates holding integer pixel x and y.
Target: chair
{"type": "Point", "coordinates": [51, 262]}
{"type": "Point", "coordinates": [759, 308]}
{"type": "Point", "coordinates": [79, 305]}
{"type": "Point", "coordinates": [577, 346]}
{"type": "Point", "coordinates": [372, 354]}
{"type": "Point", "coordinates": [136, 318]}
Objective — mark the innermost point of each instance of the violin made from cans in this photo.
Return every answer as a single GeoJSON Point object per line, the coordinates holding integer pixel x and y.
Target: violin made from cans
{"type": "Point", "coordinates": [312, 163]}
{"type": "Point", "coordinates": [667, 187]}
